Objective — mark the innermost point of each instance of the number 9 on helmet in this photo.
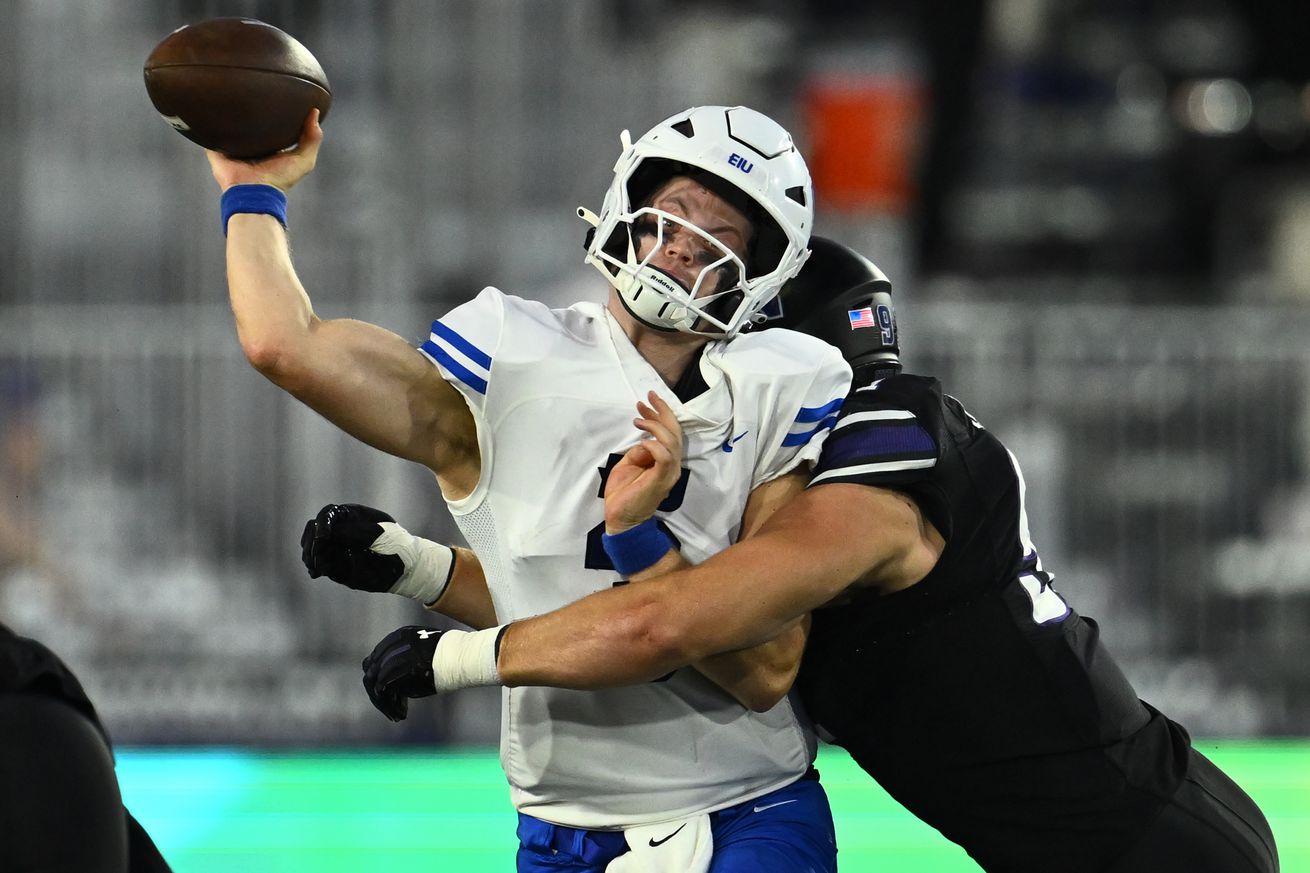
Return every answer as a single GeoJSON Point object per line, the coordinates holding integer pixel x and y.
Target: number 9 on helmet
{"type": "Point", "coordinates": [842, 298]}
{"type": "Point", "coordinates": [745, 158]}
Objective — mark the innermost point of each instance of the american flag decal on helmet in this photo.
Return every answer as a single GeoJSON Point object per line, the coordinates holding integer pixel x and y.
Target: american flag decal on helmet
{"type": "Point", "coordinates": [861, 318]}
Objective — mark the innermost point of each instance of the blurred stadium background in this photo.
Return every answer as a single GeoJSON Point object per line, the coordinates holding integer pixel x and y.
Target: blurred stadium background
{"type": "Point", "coordinates": [1096, 216]}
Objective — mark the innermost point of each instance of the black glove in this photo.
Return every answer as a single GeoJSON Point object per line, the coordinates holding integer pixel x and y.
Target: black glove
{"type": "Point", "coordinates": [336, 544]}
{"type": "Point", "coordinates": [400, 667]}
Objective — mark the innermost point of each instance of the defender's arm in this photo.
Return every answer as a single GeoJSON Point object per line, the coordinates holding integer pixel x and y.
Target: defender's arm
{"type": "Point", "coordinates": [363, 548]}
{"type": "Point", "coordinates": [467, 598]}
{"type": "Point", "coordinates": [810, 550]}
{"type": "Point", "coordinates": [757, 677]}
{"type": "Point", "coordinates": [761, 675]}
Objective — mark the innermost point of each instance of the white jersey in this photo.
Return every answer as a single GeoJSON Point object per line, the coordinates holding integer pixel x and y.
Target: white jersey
{"type": "Point", "coordinates": [554, 393]}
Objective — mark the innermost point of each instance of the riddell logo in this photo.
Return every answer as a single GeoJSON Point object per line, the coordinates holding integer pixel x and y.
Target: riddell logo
{"type": "Point", "coordinates": [663, 281]}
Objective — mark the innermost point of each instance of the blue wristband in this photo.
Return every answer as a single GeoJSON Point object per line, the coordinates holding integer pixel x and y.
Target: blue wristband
{"type": "Point", "coordinates": [258, 199]}
{"type": "Point", "coordinates": [637, 548]}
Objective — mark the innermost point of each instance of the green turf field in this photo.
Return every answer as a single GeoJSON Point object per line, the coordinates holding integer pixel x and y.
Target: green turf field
{"type": "Point", "coordinates": [357, 811]}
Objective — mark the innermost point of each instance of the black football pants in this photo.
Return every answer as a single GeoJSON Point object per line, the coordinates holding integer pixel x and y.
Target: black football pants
{"type": "Point", "coordinates": [1210, 826]}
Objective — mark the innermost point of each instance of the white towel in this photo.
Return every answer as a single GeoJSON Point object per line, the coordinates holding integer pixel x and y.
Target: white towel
{"type": "Point", "coordinates": [673, 847]}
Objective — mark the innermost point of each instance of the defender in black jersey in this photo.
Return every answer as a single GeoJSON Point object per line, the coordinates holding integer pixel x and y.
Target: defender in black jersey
{"type": "Point", "coordinates": [976, 696]}
{"type": "Point", "coordinates": [940, 655]}
{"type": "Point", "coordinates": [60, 808]}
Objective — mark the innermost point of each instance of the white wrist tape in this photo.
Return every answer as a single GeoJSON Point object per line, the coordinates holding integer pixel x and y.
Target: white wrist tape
{"type": "Point", "coordinates": [428, 565]}
{"type": "Point", "coordinates": [465, 659]}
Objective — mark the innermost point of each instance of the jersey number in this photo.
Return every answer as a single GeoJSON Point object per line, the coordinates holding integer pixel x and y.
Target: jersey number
{"type": "Point", "coordinates": [596, 559]}
{"type": "Point", "coordinates": [1047, 604]}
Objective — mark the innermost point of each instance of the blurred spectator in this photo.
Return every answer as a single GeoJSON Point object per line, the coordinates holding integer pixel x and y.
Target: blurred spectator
{"type": "Point", "coordinates": [21, 540]}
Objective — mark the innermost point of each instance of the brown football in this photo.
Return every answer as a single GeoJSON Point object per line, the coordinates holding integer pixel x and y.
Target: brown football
{"type": "Point", "coordinates": [236, 85]}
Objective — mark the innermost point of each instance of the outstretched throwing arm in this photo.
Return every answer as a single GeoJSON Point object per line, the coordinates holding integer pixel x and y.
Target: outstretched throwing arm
{"type": "Point", "coordinates": [368, 381]}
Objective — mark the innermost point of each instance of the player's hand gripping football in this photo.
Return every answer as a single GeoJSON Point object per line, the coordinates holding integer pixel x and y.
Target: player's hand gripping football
{"type": "Point", "coordinates": [282, 170]}
{"type": "Point", "coordinates": [400, 668]}
{"type": "Point", "coordinates": [336, 543]}
{"type": "Point", "coordinates": [647, 472]}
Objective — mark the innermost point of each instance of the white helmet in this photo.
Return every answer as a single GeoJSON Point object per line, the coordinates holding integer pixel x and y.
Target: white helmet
{"type": "Point", "coordinates": [740, 155]}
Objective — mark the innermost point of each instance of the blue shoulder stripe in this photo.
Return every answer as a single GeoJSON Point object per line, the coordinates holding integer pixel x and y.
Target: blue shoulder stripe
{"type": "Point", "coordinates": [815, 413]}
{"type": "Point", "coordinates": [474, 354]}
{"type": "Point", "coordinates": [800, 439]}
{"type": "Point", "coordinates": [458, 370]}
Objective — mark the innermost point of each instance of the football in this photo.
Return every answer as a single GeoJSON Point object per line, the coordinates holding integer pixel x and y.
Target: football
{"type": "Point", "coordinates": [236, 85]}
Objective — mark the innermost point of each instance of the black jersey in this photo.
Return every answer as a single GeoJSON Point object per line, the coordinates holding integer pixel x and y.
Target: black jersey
{"type": "Point", "coordinates": [28, 667]}
{"type": "Point", "coordinates": [978, 698]}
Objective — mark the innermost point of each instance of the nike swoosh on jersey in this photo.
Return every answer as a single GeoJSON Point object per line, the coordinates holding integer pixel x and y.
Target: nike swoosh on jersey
{"type": "Point", "coordinates": [654, 842]}
{"type": "Point", "coordinates": [728, 444]}
{"type": "Point", "coordinates": [772, 805]}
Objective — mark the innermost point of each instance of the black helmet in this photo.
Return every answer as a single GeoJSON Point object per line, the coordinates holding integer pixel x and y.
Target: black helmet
{"type": "Point", "coordinates": [842, 298]}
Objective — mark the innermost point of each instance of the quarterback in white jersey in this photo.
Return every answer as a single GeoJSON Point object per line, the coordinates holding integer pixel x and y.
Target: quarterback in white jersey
{"type": "Point", "coordinates": [552, 392]}
{"type": "Point", "coordinates": [709, 213]}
